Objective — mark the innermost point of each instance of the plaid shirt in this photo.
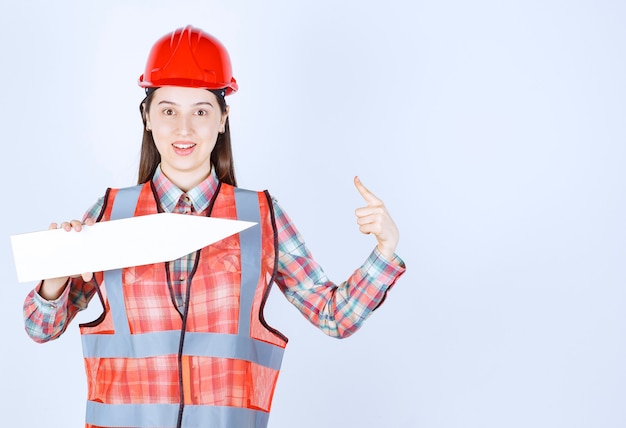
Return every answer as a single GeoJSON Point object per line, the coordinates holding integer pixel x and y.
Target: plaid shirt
{"type": "Point", "coordinates": [337, 310]}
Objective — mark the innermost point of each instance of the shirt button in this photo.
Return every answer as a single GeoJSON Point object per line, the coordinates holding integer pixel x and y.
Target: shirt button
{"type": "Point", "coordinates": [186, 199]}
{"type": "Point", "coordinates": [181, 279]}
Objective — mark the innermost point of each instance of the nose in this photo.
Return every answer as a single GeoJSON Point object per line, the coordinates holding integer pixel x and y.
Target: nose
{"type": "Point", "coordinates": [185, 126]}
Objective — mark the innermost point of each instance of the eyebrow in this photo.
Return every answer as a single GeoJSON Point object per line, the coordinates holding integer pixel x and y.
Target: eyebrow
{"type": "Point", "coordinates": [199, 103]}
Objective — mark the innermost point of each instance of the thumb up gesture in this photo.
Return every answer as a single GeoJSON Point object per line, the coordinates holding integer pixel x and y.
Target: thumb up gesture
{"type": "Point", "coordinates": [374, 218]}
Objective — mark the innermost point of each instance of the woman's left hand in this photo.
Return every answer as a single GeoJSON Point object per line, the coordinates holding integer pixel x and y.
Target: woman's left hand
{"type": "Point", "coordinates": [375, 219]}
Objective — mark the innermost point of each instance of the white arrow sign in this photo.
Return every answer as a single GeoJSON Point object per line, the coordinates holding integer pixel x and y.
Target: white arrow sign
{"type": "Point", "coordinates": [116, 244]}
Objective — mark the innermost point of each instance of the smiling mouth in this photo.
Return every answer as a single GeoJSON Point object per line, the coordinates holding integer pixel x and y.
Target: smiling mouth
{"type": "Point", "coordinates": [183, 146]}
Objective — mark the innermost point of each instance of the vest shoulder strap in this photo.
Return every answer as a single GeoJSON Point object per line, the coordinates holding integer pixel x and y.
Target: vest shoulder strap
{"type": "Point", "coordinates": [125, 202]}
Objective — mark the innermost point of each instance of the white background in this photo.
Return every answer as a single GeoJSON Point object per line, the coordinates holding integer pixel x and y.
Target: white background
{"type": "Point", "coordinates": [493, 130]}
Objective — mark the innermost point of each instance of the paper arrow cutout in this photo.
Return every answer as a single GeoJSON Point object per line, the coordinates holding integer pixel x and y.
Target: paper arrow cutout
{"type": "Point", "coordinates": [116, 244]}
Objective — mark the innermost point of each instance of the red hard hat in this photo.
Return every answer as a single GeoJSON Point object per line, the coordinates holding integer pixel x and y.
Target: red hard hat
{"type": "Point", "coordinates": [189, 57]}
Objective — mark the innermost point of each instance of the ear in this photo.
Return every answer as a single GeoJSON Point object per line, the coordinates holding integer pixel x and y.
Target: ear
{"type": "Point", "coordinates": [223, 121]}
{"type": "Point", "coordinates": [144, 116]}
{"type": "Point", "coordinates": [225, 115]}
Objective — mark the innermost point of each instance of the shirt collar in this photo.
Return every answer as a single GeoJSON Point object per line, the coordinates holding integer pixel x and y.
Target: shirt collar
{"type": "Point", "coordinates": [169, 194]}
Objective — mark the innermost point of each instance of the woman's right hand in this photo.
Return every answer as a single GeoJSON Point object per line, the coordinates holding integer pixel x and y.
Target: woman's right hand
{"type": "Point", "coordinates": [52, 288]}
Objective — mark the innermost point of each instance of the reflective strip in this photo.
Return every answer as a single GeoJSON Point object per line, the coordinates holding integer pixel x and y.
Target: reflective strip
{"type": "Point", "coordinates": [167, 342]}
{"type": "Point", "coordinates": [131, 346]}
{"type": "Point", "coordinates": [231, 346]}
{"type": "Point", "coordinates": [132, 415]}
{"type": "Point", "coordinates": [214, 416]}
{"type": "Point", "coordinates": [115, 295]}
{"type": "Point", "coordinates": [125, 202]}
{"type": "Point", "coordinates": [124, 206]}
{"type": "Point", "coordinates": [165, 415]}
{"type": "Point", "coordinates": [247, 205]}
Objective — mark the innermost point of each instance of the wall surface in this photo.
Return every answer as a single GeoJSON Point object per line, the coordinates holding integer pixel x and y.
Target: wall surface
{"type": "Point", "coordinates": [494, 132]}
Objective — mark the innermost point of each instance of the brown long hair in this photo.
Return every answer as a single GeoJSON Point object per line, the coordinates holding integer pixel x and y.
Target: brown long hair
{"type": "Point", "coordinates": [221, 156]}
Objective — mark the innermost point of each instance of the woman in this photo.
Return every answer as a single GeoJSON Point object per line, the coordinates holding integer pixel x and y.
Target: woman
{"type": "Point", "coordinates": [185, 343]}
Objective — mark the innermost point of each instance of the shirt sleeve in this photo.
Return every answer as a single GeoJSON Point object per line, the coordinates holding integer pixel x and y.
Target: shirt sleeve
{"type": "Point", "coordinates": [338, 310]}
{"type": "Point", "coordinates": [45, 320]}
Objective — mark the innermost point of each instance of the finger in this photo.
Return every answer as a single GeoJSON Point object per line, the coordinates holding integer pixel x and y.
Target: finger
{"type": "Point", "coordinates": [370, 228]}
{"type": "Point", "coordinates": [53, 226]}
{"type": "Point", "coordinates": [369, 197]}
{"type": "Point", "coordinates": [372, 223]}
{"type": "Point", "coordinates": [73, 224]}
{"type": "Point", "coordinates": [370, 211]}
{"type": "Point", "coordinates": [370, 218]}
{"type": "Point", "coordinates": [87, 276]}
{"type": "Point", "coordinates": [76, 225]}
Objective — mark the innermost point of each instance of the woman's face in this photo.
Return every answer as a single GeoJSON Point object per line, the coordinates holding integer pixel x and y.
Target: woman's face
{"type": "Point", "coordinates": [185, 124]}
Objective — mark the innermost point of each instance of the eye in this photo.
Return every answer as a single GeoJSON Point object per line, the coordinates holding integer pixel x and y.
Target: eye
{"type": "Point", "coordinates": [168, 112]}
{"type": "Point", "coordinates": [201, 113]}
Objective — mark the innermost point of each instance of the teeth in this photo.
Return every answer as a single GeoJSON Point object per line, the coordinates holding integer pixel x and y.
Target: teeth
{"type": "Point", "coordinates": [183, 146]}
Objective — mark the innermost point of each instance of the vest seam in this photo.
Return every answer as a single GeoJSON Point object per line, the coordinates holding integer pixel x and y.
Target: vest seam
{"type": "Point", "coordinates": [104, 205]}
{"type": "Point", "coordinates": [268, 287]}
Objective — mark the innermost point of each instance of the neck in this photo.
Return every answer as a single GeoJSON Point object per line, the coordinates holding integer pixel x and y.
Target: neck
{"type": "Point", "coordinates": [186, 181]}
